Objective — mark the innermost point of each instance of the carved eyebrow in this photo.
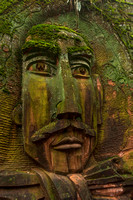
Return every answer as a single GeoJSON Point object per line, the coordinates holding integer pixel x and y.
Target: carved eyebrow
{"type": "Point", "coordinates": [82, 54]}
{"type": "Point", "coordinates": [40, 55]}
{"type": "Point", "coordinates": [81, 58]}
{"type": "Point", "coordinates": [40, 46]}
{"type": "Point", "coordinates": [80, 63]}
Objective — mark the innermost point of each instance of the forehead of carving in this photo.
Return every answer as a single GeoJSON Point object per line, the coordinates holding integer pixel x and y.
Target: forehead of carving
{"type": "Point", "coordinates": [55, 38]}
{"type": "Point", "coordinates": [46, 31]}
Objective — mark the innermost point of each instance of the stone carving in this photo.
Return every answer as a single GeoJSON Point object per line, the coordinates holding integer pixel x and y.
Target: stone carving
{"type": "Point", "coordinates": [60, 95]}
{"type": "Point", "coordinates": [74, 143]}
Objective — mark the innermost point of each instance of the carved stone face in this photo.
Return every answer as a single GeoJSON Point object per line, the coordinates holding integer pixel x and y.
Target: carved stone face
{"type": "Point", "coordinates": [59, 100]}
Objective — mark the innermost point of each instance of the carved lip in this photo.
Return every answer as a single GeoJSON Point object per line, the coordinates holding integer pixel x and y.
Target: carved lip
{"type": "Point", "coordinates": [68, 143]}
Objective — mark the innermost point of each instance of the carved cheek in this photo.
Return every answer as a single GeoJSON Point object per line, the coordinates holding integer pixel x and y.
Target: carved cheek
{"type": "Point", "coordinates": [36, 105]}
{"type": "Point", "coordinates": [87, 97]}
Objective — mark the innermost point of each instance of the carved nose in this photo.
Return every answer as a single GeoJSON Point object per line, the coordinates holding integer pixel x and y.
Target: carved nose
{"type": "Point", "coordinates": [69, 106]}
{"type": "Point", "coordinates": [68, 110]}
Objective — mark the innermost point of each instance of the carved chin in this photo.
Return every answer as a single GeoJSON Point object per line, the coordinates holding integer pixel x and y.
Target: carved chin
{"type": "Point", "coordinates": [69, 157]}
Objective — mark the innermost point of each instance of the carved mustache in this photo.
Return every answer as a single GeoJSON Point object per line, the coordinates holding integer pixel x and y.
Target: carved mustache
{"type": "Point", "coordinates": [61, 125]}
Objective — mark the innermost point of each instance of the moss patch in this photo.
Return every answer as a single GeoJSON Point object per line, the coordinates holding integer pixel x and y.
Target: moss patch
{"type": "Point", "coordinates": [39, 44]}
{"type": "Point", "coordinates": [78, 49]}
{"type": "Point", "coordinates": [45, 36]}
{"type": "Point", "coordinates": [47, 31]}
{"type": "Point", "coordinates": [9, 8]}
{"type": "Point", "coordinates": [9, 4]}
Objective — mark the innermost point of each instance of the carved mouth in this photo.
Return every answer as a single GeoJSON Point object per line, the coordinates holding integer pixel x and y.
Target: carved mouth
{"type": "Point", "coordinates": [68, 143]}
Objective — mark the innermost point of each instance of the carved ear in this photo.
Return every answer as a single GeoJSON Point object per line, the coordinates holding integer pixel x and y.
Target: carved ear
{"type": "Point", "coordinates": [99, 96]}
{"type": "Point", "coordinates": [17, 115]}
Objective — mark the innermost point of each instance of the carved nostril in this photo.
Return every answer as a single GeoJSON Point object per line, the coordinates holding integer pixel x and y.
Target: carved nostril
{"type": "Point", "coordinates": [67, 110]}
{"type": "Point", "coordinates": [69, 115]}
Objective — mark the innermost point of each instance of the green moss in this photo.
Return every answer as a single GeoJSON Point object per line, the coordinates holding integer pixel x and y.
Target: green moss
{"type": "Point", "coordinates": [5, 4]}
{"type": "Point", "coordinates": [2, 72]}
{"type": "Point", "coordinates": [78, 49]}
{"type": "Point", "coordinates": [5, 26]}
{"type": "Point", "coordinates": [124, 2]}
{"type": "Point", "coordinates": [51, 33]}
{"type": "Point", "coordinates": [8, 10]}
{"type": "Point", "coordinates": [41, 44]}
{"type": "Point", "coordinates": [77, 39]}
{"type": "Point", "coordinates": [8, 4]}
{"type": "Point", "coordinates": [45, 36]}
{"type": "Point", "coordinates": [48, 31]}
{"type": "Point", "coordinates": [116, 13]}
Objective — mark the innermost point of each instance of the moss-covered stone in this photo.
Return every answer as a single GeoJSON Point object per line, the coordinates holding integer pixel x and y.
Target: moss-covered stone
{"type": "Point", "coordinates": [9, 4]}
{"type": "Point", "coordinates": [117, 13]}
{"type": "Point", "coordinates": [48, 31]}
{"type": "Point", "coordinates": [40, 44]}
{"type": "Point", "coordinates": [8, 14]}
{"type": "Point", "coordinates": [79, 49]}
{"type": "Point", "coordinates": [45, 36]}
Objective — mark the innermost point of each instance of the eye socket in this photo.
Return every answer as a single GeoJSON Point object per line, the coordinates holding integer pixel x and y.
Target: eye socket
{"type": "Point", "coordinates": [81, 72]}
{"type": "Point", "coordinates": [39, 66]}
{"type": "Point", "coordinates": [42, 68]}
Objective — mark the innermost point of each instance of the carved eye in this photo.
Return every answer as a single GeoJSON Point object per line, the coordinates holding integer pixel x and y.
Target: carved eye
{"type": "Point", "coordinates": [80, 72]}
{"type": "Point", "coordinates": [42, 68]}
